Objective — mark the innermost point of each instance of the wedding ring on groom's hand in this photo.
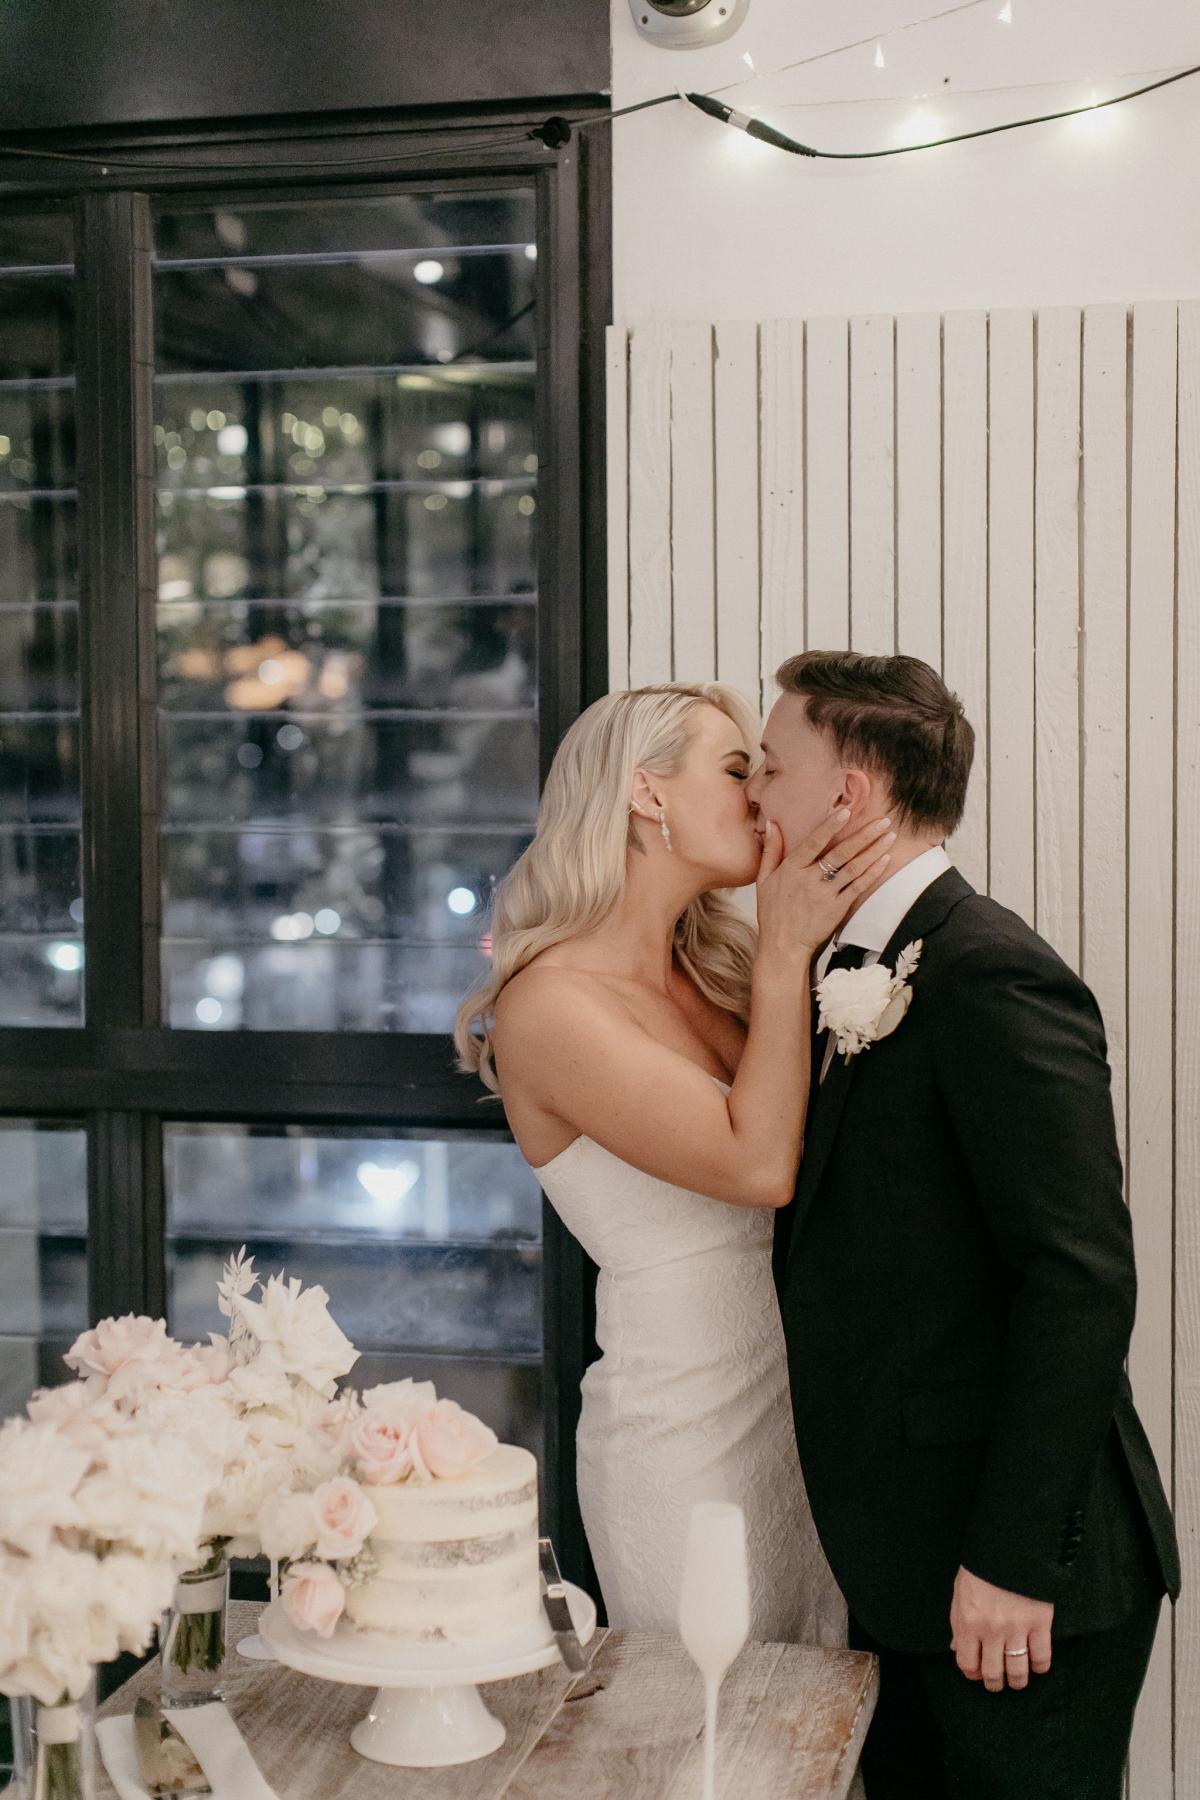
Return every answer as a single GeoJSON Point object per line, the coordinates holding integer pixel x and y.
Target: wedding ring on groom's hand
{"type": "Point", "coordinates": [1016, 1653]}
{"type": "Point", "coordinates": [827, 869]}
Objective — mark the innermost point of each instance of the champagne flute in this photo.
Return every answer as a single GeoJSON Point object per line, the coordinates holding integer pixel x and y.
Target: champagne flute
{"type": "Point", "coordinates": [714, 1606]}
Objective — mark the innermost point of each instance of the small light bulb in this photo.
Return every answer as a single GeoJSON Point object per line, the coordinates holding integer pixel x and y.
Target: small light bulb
{"type": "Point", "coordinates": [428, 271]}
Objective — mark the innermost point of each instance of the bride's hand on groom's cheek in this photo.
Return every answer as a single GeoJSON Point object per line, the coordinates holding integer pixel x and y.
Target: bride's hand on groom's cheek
{"type": "Point", "coordinates": [989, 1627]}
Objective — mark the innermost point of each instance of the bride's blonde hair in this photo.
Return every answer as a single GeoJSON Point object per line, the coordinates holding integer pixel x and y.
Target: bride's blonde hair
{"type": "Point", "coordinates": [570, 878]}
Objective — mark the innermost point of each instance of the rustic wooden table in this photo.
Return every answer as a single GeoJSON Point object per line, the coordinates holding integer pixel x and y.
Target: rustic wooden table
{"type": "Point", "coordinates": [791, 1727]}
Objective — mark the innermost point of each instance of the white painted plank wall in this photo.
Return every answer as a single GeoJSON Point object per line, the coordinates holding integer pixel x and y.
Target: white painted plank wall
{"type": "Point", "coordinates": [1015, 499]}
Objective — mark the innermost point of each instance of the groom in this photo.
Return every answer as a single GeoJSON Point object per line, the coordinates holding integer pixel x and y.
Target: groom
{"type": "Point", "coordinates": [956, 1281]}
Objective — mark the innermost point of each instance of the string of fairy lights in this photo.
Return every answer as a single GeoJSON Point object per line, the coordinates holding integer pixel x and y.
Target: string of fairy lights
{"type": "Point", "coordinates": [557, 131]}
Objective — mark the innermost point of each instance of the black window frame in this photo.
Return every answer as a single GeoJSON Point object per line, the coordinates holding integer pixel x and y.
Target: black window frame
{"type": "Point", "coordinates": [124, 1073]}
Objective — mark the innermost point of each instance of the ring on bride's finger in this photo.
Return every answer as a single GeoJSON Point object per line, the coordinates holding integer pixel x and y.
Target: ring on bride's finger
{"type": "Point", "coordinates": [1016, 1653]}
{"type": "Point", "coordinates": [827, 869]}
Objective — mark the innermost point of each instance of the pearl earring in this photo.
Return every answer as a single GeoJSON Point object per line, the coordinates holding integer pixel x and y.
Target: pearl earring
{"type": "Point", "coordinates": [665, 829]}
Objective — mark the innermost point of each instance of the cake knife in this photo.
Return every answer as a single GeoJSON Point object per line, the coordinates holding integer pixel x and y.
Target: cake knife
{"type": "Point", "coordinates": [554, 1599]}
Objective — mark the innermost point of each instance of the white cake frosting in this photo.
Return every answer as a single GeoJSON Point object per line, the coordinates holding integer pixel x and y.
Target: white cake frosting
{"type": "Point", "coordinates": [456, 1559]}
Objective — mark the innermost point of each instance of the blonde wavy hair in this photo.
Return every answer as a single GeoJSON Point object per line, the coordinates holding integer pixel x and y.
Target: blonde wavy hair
{"type": "Point", "coordinates": [571, 877]}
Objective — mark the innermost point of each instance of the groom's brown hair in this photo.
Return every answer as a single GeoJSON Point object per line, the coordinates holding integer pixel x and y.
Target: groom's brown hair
{"type": "Point", "coordinates": [895, 715]}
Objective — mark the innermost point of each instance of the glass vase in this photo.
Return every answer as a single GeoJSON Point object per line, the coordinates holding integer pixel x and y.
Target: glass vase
{"type": "Point", "coordinates": [64, 1749]}
{"type": "Point", "coordinates": [194, 1634]}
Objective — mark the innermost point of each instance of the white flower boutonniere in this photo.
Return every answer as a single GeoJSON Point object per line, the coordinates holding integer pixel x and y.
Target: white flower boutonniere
{"type": "Point", "coordinates": [860, 1006]}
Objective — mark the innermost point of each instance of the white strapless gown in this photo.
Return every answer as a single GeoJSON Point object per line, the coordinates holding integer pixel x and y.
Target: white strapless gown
{"type": "Point", "coordinates": [689, 1400]}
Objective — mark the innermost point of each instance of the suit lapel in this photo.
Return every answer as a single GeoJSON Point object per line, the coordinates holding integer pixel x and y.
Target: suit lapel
{"type": "Point", "coordinates": [928, 911]}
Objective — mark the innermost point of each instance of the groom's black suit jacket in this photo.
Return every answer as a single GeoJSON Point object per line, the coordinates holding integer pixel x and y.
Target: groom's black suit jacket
{"type": "Point", "coordinates": [957, 1287]}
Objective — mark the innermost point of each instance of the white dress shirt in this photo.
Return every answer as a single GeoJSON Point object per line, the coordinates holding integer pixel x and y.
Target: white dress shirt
{"type": "Point", "coordinates": [874, 922]}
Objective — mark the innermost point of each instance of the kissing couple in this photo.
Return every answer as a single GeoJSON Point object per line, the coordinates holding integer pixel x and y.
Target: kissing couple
{"type": "Point", "coordinates": [853, 1186]}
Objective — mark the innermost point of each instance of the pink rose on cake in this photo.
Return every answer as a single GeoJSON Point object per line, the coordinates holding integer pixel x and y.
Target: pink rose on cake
{"type": "Point", "coordinates": [381, 1447]}
{"type": "Point", "coordinates": [446, 1442]}
{"type": "Point", "coordinates": [345, 1518]}
{"type": "Point", "coordinates": [313, 1597]}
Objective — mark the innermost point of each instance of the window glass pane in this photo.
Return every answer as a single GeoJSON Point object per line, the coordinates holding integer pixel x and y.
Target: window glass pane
{"type": "Point", "coordinates": [43, 1258]}
{"type": "Point", "coordinates": [347, 495]}
{"type": "Point", "coordinates": [429, 1246]}
{"type": "Point", "coordinates": [41, 894]}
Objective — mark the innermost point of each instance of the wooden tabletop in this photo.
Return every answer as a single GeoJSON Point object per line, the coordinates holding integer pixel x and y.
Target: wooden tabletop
{"type": "Point", "coordinates": [792, 1723]}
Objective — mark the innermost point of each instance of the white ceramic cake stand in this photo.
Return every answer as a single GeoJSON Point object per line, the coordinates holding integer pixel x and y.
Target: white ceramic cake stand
{"type": "Point", "coordinates": [428, 1712]}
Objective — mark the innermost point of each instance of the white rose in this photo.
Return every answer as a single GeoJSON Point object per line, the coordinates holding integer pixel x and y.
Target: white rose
{"type": "Point", "coordinates": [257, 1384]}
{"type": "Point", "coordinates": [404, 1401]}
{"type": "Point", "coordinates": [852, 999]}
{"type": "Point", "coordinates": [287, 1527]}
{"type": "Point", "coordinates": [134, 1592]}
{"type": "Point", "coordinates": [128, 1358]}
{"type": "Point", "coordinates": [88, 1421]}
{"type": "Point", "coordinates": [40, 1473]}
{"type": "Point", "coordinates": [296, 1334]}
{"type": "Point", "coordinates": [61, 1583]}
{"type": "Point", "coordinates": [50, 1669]}
{"type": "Point", "coordinates": [149, 1497]}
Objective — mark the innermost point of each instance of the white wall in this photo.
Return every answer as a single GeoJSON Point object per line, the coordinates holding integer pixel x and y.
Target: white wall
{"type": "Point", "coordinates": [708, 224]}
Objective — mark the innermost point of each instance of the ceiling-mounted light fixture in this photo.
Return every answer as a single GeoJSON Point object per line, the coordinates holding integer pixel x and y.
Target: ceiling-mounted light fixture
{"type": "Point", "coordinates": [687, 24]}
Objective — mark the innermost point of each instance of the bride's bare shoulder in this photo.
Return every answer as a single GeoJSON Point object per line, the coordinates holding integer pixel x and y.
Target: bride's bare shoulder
{"type": "Point", "coordinates": [552, 982]}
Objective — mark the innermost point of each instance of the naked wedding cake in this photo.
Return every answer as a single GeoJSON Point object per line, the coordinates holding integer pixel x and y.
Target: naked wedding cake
{"type": "Point", "coordinates": [428, 1534]}
{"type": "Point", "coordinates": [456, 1559]}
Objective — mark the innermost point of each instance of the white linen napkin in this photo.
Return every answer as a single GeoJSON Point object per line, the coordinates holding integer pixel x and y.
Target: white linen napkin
{"type": "Point", "coordinates": [212, 1735]}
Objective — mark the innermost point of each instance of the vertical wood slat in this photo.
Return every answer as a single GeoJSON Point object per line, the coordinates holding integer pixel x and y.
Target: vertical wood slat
{"type": "Point", "coordinates": [781, 500]}
{"type": "Point", "coordinates": [693, 521]}
{"type": "Point", "coordinates": [1187, 1063]}
{"type": "Point", "coordinates": [1011, 608]}
{"type": "Point", "coordinates": [1151, 749]}
{"type": "Point", "coordinates": [965, 595]}
{"type": "Point", "coordinates": [1103, 746]}
{"type": "Point", "coordinates": [617, 439]}
{"type": "Point", "coordinates": [919, 487]}
{"type": "Point", "coordinates": [736, 402]}
{"type": "Point", "coordinates": [1057, 629]}
{"type": "Point", "coordinates": [873, 485]}
{"type": "Point", "coordinates": [968, 505]}
{"type": "Point", "coordinates": [828, 476]}
{"type": "Point", "coordinates": [649, 505]}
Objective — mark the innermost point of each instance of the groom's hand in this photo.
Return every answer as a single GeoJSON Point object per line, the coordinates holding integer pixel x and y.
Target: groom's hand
{"type": "Point", "coordinates": [987, 1621]}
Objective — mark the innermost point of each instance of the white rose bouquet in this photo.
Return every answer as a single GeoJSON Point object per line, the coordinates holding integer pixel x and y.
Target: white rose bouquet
{"type": "Point", "coordinates": [257, 1406]}
{"type": "Point", "coordinates": [95, 1525]}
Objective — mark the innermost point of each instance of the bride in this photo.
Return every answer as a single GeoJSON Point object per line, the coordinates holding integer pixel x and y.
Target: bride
{"type": "Point", "coordinates": [654, 1069]}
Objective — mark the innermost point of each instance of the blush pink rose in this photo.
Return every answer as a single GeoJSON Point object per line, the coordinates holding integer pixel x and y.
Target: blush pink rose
{"type": "Point", "coordinates": [380, 1448]}
{"type": "Point", "coordinates": [313, 1597]}
{"type": "Point", "coordinates": [448, 1441]}
{"type": "Point", "coordinates": [126, 1358]}
{"type": "Point", "coordinates": [345, 1518]}
{"type": "Point", "coordinates": [90, 1424]}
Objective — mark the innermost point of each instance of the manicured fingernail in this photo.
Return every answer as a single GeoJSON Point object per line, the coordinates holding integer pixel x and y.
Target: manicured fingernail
{"type": "Point", "coordinates": [884, 859]}
{"type": "Point", "coordinates": [885, 821]}
{"type": "Point", "coordinates": [890, 838]}
{"type": "Point", "coordinates": [843, 812]}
